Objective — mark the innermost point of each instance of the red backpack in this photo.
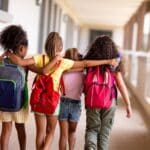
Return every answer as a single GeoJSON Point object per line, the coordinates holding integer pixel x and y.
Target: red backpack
{"type": "Point", "coordinates": [44, 99]}
{"type": "Point", "coordinates": [99, 88]}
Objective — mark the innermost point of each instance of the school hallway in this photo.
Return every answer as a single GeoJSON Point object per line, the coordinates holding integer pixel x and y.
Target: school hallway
{"type": "Point", "coordinates": [79, 22]}
{"type": "Point", "coordinates": [127, 134]}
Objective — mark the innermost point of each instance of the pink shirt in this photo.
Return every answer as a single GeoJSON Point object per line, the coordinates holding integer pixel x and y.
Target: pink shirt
{"type": "Point", "coordinates": [73, 83]}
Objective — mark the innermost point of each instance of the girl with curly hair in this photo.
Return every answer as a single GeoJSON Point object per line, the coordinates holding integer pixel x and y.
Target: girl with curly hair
{"type": "Point", "coordinates": [99, 121]}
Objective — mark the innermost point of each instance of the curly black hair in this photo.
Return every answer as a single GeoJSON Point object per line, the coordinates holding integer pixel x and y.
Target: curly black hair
{"type": "Point", "coordinates": [12, 37]}
{"type": "Point", "coordinates": [103, 48]}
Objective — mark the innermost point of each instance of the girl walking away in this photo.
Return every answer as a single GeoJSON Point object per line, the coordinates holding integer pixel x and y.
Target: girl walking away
{"type": "Point", "coordinates": [100, 108]}
{"type": "Point", "coordinates": [14, 38]}
{"type": "Point", "coordinates": [70, 104]}
{"type": "Point", "coordinates": [45, 122]}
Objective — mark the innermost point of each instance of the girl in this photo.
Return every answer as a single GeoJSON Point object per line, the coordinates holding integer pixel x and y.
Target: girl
{"type": "Point", "coordinates": [99, 121]}
{"type": "Point", "coordinates": [46, 123]}
{"type": "Point", "coordinates": [70, 104]}
{"type": "Point", "coordinates": [14, 38]}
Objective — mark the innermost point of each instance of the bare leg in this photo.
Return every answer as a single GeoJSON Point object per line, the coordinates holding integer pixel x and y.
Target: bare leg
{"type": "Point", "coordinates": [21, 135]}
{"type": "Point", "coordinates": [40, 121]}
{"type": "Point", "coordinates": [72, 138]}
{"type": "Point", "coordinates": [63, 135]}
{"type": "Point", "coordinates": [51, 125]}
{"type": "Point", "coordinates": [5, 135]}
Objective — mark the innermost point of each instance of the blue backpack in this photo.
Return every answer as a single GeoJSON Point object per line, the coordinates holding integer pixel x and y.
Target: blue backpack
{"type": "Point", "coordinates": [12, 82]}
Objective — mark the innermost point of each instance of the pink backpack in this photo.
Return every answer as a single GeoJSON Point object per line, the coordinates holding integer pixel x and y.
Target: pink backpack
{"type": "Point", "coordinates": [100, 88]}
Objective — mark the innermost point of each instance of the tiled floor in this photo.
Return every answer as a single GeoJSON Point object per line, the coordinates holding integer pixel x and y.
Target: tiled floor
{"type": "Point", "coordinates": [127, 134]}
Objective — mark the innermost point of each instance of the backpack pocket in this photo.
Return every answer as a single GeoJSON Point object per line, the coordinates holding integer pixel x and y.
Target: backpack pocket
{"type": "Point", "coordinates": [8, 94]}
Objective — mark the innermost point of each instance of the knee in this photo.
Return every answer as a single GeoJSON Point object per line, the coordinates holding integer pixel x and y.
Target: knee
{"type": "Point", "coordinates": [20, 126]}
{"type": "Point", "coordinates": [40, 136]}
{"type": "Point", "coordinates": [50, 131]}
{"type": "Point", "coordinates": [72, 129]}
{"type": "Point", "coordinates": [6, 128]}
{"type": "Point", "coordinates": [107, 123]}
{"type": "Point", "coordinates": [63, 135]}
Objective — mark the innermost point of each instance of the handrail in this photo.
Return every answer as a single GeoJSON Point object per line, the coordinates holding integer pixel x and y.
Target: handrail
{"type": "Point", "coordinates": [136, 53]}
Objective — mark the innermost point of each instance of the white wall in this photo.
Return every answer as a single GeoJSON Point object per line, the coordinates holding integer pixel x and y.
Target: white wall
{"type": "Point", "coordinates": [63, 29]}
{"type": "Point", "coordinates": [75, 36]}
{"type": "Point", "coordinates": [118, 36]}
{"type": "Point", "coordinates": [84, 39]}
{"type": "Point", "coordinates": [26, 13]}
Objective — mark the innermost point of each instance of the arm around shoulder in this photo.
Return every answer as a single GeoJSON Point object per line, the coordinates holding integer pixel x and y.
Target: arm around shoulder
{"type": "Point", "coordinates": [20, 61]}
{"type": "Point", "coordinates": [92, 63]}
{"type": "Point", "coordinates": [51, 64]}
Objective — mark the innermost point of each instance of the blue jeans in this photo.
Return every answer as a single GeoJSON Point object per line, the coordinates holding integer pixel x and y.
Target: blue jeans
{"type": "Point", "coordinates": [98, 126]}
{"type": "Point", "coordinates": [70, 109]}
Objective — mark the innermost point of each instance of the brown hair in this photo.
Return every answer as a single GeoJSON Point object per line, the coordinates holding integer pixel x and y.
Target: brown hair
{"type": "Point", "coordinates": [72, 53]}
{"type": "Point", "coordinates": [104, 48]}
{"type": "Point", "coordinates": [53, 44]}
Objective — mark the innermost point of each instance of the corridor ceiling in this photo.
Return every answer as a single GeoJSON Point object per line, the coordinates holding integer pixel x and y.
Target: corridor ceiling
{"type": "Point", "coordinates": [103, 13]}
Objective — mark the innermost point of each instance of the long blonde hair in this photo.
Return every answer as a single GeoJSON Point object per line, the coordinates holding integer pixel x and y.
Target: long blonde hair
{"type": "Point", "coordinates": [53, 44]}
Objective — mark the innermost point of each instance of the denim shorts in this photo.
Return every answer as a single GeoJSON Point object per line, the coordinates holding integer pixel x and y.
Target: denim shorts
{"type": "Point", "coordinates": [70, 109]}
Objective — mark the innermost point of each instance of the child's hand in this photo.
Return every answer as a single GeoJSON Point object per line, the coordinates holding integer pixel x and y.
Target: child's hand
{"type": "Point", "coordinates": [58, 57]}
{"type": "Point", "coordinates": [129, 111]}
{"type": "Point", "coordinates": [3, 55]}
{"type": "Point", "coordinates": [114, 62]}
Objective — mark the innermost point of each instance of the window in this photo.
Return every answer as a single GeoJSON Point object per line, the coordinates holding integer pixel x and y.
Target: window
{"type": "Point", "coordinates": [147, 93]}
{"type": "Point", "coordinates": [134, 36]}
{"type": "Point", "coordinates": [5, 17]}
{"type": "Point", "coordinates": [95, 33]}
{"type": "Point", "coordinates": [146, 31]}
{"type": "Point", "coordinates": [55, 18]}
{"type": "Point", "coordinates": [4, 5]}
{"type": "Point", "coordinates": [134, 59]}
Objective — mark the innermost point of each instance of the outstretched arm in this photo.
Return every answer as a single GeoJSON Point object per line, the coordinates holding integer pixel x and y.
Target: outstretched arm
{"type": "Point", "coordinates": [46, 68]}
{"type": "Point", "coordinates": [30, 62]}
{"type": "Point", "coordinates": [124, 93]}
{"type": "Point", "coordinates": [92, 63]}
{"type": "Point", "coordinates": [19, 61]}
{"type": "Point", "coordinates": [80, 65]}
{"type": "Point", "coordinates": [33, 68]}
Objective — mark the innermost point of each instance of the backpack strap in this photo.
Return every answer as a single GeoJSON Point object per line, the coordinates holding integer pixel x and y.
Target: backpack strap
{"type": "Point", "coordinates": [43, 58]}
{"type": "Point", "coordinates": [36, 77]}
